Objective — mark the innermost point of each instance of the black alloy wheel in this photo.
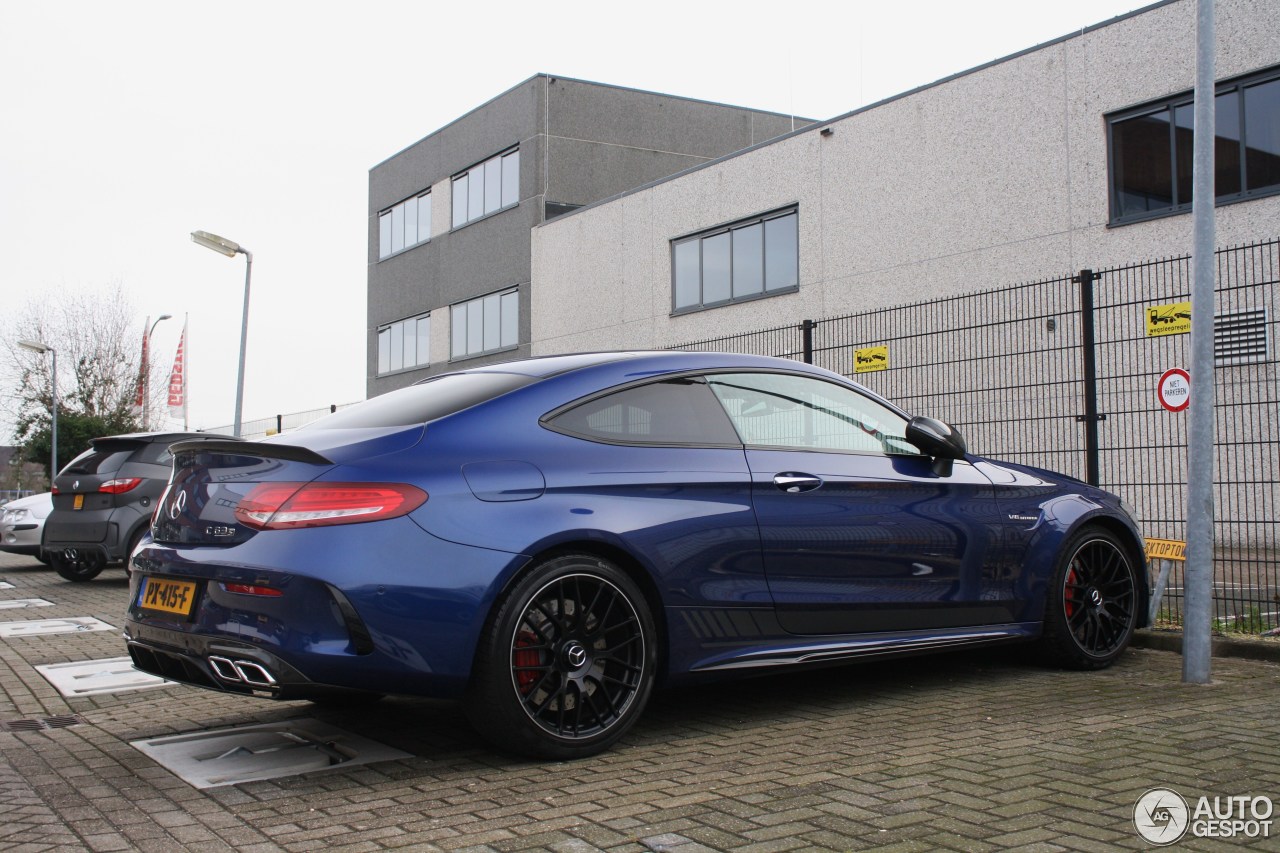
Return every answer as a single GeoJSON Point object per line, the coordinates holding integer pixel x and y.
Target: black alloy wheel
{"type": "Point", "coordinates": [1093, 602]}
{"type": "Point", "coordinates": [77, 564]}
{"type": "Point", "coordinates": [567, 663]}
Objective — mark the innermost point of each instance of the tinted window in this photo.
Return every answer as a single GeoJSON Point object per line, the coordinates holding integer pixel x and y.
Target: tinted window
{"type": "Point", "coordinates": [423, 402]}
{"type": "Point", "coordinates": [1152, 147]}
{"type": "Point", "coordinates": [745, 260]}
{"type": "Point", "coordinates": [676, 411]}
{"type": "Point", "coordinates": [104, 458]}
{"type": "Point", "coordinates": [782, 410]}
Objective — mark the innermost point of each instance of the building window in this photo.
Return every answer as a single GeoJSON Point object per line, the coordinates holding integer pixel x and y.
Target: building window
{"type": "Point", "coordinates": [745, 260]}
{"type": "Point", "coordinates": [404, 226]}
{"type": "Point", "coordinates": [486, 188]}
{"type": "Point", "coordinates": [1151, 149]}
{"type": "Point", "coordinates": [404, 344]}
{"type": "Point", "coordinates": [487, 324]}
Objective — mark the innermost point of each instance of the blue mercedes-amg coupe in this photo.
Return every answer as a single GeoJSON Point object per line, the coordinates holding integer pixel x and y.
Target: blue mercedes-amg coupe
{"type": "Point", "coordinates": [548, 539]}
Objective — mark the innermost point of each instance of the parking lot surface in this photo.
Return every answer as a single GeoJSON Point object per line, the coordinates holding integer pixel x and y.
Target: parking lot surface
{"type": "Point", "coordinates": [974, 751]}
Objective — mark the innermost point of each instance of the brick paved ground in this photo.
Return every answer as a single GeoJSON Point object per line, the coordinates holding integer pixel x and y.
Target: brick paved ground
{"type": "Point", "coordinates": [964, 752]}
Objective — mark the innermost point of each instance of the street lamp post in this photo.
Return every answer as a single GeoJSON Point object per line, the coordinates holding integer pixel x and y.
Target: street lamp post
{"type": "Point", "coordinates": [41, 347]}
{"type": "Point", "coordinates": [226, 247]}
{"type": "Point", "coordinates": [146, 371]}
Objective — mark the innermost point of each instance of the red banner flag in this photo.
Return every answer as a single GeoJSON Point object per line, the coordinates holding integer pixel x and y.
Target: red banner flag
{"type": "Point", "coordinates": [177, 379]}
{"type": "Point", "coordinates": [140, 400]}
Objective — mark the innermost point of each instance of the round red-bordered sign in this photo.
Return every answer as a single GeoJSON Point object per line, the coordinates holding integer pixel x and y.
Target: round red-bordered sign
{"type": "Point", "coordinates": [1174, 389]}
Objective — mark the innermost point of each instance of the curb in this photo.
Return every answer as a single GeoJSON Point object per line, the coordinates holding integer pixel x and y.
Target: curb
{"type": "Point", "coordinates": [1223, 647]}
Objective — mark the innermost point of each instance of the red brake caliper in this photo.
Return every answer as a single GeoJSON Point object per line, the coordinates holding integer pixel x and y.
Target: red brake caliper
{"type": "Point", "coordinates": [1068, 599]}
{"type": "Point", "coordinates": [526, 657]}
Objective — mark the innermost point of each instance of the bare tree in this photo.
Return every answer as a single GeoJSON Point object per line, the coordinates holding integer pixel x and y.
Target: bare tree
{"type": "Point", "coordinates": [98, 342]}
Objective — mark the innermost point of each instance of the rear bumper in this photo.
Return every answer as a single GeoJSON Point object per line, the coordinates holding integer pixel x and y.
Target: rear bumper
{"type": "Point", "coordinates": [220, 665]}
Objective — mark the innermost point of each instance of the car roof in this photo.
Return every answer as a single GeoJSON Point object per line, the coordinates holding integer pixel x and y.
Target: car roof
{"type": "Point", "coordinates": [658, 361]}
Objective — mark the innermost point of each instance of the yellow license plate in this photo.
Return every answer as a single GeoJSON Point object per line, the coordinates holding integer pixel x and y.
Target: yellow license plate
{"type": "Point", "coordinates": [168, 595]}
{"type": "Point", "coordinates": [78, 503]}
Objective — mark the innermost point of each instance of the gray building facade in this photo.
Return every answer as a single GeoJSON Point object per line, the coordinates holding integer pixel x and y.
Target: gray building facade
{"type": "Point", "coordinates": [1070, 154]}
{"type": "Point", "coordinates": [450, 216]}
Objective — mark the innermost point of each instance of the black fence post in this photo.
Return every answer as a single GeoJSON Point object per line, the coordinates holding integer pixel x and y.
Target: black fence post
{"type": "Point", "coordinates": [1085, 279]}
{"type": "Point", "coordinates": [279, 424]}
{"type": "Point", "coordinates": [806, 332]}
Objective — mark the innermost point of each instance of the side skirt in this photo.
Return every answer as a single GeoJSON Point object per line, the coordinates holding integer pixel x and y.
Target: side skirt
{"type": "Point", "coordinates": [865, 646]}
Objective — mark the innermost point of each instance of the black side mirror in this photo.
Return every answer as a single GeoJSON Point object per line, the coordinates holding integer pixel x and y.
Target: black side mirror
{"type": "Point", "coordinates": [939, 440]}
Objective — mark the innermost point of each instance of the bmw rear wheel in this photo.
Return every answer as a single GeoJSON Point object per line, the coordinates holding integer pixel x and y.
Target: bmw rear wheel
{"type": "Point", "coordinates": [1093, 602]}
{"type": "Point", "coordinates": [77, 564]}
{"type": "Point", "coordinates": [566, 663]}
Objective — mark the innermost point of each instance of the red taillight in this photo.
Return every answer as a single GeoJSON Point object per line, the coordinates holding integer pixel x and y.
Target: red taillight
{"type": "Point", "coordinates": [251, 589]}
{"type": "Point", "coordinates": [277, 506]}
{"type": "Point", "coordinates": [124, 484]}
{"type": "Point", "coordinates": [54, 490]}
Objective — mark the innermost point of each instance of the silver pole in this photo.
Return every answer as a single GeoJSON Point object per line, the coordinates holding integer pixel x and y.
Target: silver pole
{"type": "Point", "coordinates": [244, 335]}
{"type": "Point", "coordinates": [54, 427]}
{"type": "Point", "coordinates": [1196, 646]}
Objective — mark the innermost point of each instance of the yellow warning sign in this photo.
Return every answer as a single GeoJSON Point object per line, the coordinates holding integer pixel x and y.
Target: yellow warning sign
{"type": "Point", "coordinates": [1166, 549]}
{"type": "Point", "coordinates": [870, 359]}
{"type": "Point", "coordinates": [1171, 319]}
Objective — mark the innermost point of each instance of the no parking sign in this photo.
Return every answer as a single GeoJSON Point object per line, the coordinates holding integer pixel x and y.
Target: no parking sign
{"type": "Point", "coordinates": [1174, 389]}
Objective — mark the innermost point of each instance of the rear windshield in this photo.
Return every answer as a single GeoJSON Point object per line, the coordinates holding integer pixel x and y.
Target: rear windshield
{"type": "Point", "coordinates": [105, 458]}
{"type": "Point", "coordinates": [424, 402]}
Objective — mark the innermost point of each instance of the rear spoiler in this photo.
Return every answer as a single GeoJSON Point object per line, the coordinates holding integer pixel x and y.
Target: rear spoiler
{"type": "Point", "coordinates": [286, 452]}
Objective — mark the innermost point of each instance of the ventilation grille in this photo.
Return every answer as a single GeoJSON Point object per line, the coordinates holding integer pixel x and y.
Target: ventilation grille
{"type": "Point", "coordinates": [59, 722]}
{"type": "Point", "coordinates": [1240, 337]}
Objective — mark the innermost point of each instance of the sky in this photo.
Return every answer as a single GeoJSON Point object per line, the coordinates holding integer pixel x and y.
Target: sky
{"type": "Point", "coordinates": [127, 125]}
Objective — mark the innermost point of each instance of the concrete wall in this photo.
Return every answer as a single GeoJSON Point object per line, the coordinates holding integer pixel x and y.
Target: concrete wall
{"type": "Point", "coordinates": [993, 177]}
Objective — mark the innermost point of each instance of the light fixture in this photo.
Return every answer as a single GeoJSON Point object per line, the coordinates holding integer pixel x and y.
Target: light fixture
{"type": "Point", "coordinates": [41, 347]}
{"type": "Point", "coordinates": [223, 246]}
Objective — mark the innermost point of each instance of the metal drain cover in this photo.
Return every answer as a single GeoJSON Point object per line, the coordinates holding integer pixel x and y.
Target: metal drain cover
{"type": "Point", "coordinates": [72, 625]}
{"type": "Point", "coordinates": [18, 603]}
{"type": "Point", "coordinates": [253, 753]}
{"type": "Point", "coordinates": [90, 677]}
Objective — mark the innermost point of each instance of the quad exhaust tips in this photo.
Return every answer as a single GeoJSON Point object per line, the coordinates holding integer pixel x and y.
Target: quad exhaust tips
{"type": "Point", "coordinates": [241, 671]}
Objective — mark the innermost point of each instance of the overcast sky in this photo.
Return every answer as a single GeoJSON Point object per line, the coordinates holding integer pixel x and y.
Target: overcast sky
{"type": "Point", "coordinates": [127, 125]}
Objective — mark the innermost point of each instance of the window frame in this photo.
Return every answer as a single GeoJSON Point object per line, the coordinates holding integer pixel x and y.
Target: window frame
{"type": "Point", "coordinates": [387, 327]}
{"type": "Point", "coordinates": [1169, 106]}
{"type": "Point", "coordinates": [401, 205]}
{"type": "Point", "coordinates": [726, 229]}
{"type": "Point", "coordinates": [711, 375]}
{"type": "Point", "coordinates": [548, 421]}
{"type": "Point", "coordinates": [506, 201]}
{"type": "Point", "coordinates": [479, 300]}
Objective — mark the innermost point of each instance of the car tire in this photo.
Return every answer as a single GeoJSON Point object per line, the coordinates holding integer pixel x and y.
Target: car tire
{"type": "Point", "coordinates": [75, 564]}
{"type": "Point", "coordinates": [566, 662]}
{"type": "Point", "coordinates": [1093, 602]}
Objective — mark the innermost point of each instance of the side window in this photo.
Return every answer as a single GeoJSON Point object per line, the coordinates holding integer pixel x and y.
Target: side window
{"type": "Point", "coordinates": [801, 412]}
{"type": "Point", "coordinates": [669, 412]}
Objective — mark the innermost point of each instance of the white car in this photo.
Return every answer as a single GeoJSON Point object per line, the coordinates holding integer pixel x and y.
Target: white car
{"type": "Point", "coordinates": [22, 525]}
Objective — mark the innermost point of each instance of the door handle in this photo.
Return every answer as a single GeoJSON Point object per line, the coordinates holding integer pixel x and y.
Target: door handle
{"type": "Point", "coordinates": [792, 482]}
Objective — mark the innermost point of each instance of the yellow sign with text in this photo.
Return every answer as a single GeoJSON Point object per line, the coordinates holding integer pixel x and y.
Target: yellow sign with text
{"type": "Point", "coordinates": [870, 359]}
{"type": "Point", "coordinates": [1166, 549]}
{"type": "Point", "coordinates": [1171, 319]}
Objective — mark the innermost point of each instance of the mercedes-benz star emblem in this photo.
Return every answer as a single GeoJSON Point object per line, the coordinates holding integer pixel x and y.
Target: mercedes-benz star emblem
{"type": "Point", "coordinates": [177, 505]}
{"type": "Point", "coordinates": [576, 655]}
